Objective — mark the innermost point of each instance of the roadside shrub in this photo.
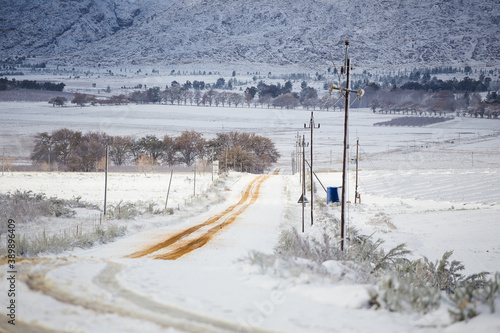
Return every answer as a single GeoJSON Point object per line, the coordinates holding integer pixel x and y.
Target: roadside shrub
{"type": "Point", "coordinates": [402, 294]}
{"type": "Point", "coordinates": [401, 285]}
{"type": "Point", "coordinates": [27, 206]}
{"type": "Point", "coordinates": [42, 243]}
{"type": "Point", "coordinates": [421, 285]}
{"type": "Point", "coordinates": [128, 210]}
{"type": "Point", "coordinates": [122, 211]}
{"type": "Point", "coordinates": [472, 294]}
{"type": "Point", "coordinates": [291, 244]}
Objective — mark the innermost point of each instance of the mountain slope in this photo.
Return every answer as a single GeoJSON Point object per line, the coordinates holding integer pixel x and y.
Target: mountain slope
{"type": "Point", "coordinates": [260, 31]}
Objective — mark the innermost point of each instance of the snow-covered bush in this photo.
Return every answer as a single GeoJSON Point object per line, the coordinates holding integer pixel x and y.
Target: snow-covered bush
{"type": "Point", "coordinates": [122, 211]}
{"type": "Point", "coordinates": [43, 243]}
{"type": "Point", "coordinates": [422, 285]}
{"type": "Point", "coordinates": [27, 206]}
{"type": "Point", "coordinates": [402, 294]}
{"type": "Point", "coordinates": [128, 210]}
{"type": "Point", "coordinates": [291, 244]}
{"type": "Point", "coordinates": [400, 284]}
{"type": "Point", "coordinates": [474, 296]}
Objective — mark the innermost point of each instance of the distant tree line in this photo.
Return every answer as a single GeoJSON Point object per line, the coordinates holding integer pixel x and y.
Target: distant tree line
{"type": "Point", "coordinates": [441, 103]}
{"type": "Point", "coordinates": [265, 95]}
{"type": "Point", "coordinates": [423, 76]}
{"type": "Point", "coordinates": [69, 150]}
{"type": "Point", "coordinates": [435, 97]}
{"type": "Point", "coordinates": [466, 84]}
{"type": "Point", "coordinates": [6, 84]}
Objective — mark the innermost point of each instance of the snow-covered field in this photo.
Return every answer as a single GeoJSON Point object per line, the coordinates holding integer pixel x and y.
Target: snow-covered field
{"type": "Point", "coordinates": [435, 188]}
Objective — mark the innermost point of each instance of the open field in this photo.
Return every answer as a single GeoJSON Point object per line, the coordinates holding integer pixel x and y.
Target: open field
{"type": "Point", "coordinates": [19, 122]}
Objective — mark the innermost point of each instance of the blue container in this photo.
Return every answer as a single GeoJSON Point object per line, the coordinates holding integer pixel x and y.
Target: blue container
{"type": "Point", "coordinates": [332, 195]}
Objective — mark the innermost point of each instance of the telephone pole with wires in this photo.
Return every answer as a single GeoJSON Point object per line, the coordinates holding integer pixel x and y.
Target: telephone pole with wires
{"type": "Point", "coordinates": [312, 126]}
{"type": "Point", "coordinates": [303, 200]}
{"type": "Point", "coordinates": [356, 194]}
{"type": "Point", "coordinates": [345, 91]}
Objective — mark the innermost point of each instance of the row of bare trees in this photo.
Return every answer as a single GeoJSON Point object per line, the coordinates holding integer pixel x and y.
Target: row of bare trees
{"type": "Point", "coordinates": [182, 95]}
{"type": "Point", "coordinates": [69, 150]}
{"type": "Point", "coordinates": [427, 103]}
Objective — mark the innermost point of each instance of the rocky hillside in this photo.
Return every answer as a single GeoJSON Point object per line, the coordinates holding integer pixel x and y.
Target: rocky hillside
{"type": "Point", "coordinates": [382, 32]}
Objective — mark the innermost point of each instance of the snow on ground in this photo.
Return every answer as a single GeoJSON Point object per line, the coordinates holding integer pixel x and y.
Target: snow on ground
{"type": "Point", "coordinates": [122, 187]}
{"type": "Point", "coordinates": [433, 188]}
{"type": "Point", "coordinates": [208, 290]}
{"type": "Point", "coordinates": [140, 189]}
{"type": "Point", "coordinates": [430, 222]}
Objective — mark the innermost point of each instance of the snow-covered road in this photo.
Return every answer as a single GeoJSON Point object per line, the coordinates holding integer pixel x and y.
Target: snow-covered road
{"type": "Point", "coordinates": [89, 292]}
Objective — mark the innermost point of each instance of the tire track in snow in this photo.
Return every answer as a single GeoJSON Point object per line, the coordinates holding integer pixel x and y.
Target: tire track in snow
{"type": "Point", "coordinates": [124, 302]}
{"type": "Point", "coordinates": [130, 304]}
{"type": "Point", "coordinates": [185, 245]}
{"type": "Point", "coordinates": [189, 321]}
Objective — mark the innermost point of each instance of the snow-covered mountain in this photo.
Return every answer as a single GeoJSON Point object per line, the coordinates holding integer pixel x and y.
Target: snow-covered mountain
{"type": "Point", "coordinates": [382, 32]}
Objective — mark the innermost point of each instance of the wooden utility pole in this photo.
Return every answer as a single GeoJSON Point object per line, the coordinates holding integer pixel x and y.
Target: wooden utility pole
{"type": "Point", "coordinates": [360, 92]}
{"type": "Point", "coordinates": [105, 181]}
{"type": "Point", "coordinates": [303, 178]}
{"type": "Point", "coordinates": [312, 125]}
{"type": "Point", "coordinates": [344, 164]}
{"type": "Point", "coordinates": [357, 162]}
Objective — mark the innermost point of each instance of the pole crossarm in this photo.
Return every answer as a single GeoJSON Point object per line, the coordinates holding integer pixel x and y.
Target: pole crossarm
{"type": "Point", "coordinates": [359, 92]}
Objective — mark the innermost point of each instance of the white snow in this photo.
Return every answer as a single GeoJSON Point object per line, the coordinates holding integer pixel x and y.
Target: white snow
{"type": "Point", "coordinates": [417, 187]}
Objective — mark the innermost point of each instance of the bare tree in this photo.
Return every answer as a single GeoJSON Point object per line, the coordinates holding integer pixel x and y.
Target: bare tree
{"type": "Point", "coordinates": [186, 95]}
{"type": "Point", "coordinates": [208, 97]}
{"type": "Point", "coordinates": [43, 150]}
{"type": "Point", "coordinates": [169, 150]}
{"type": "Point", "coordinates": [197, 96]}
{"type": "Point", "coordinates": [236, 98]}
{"type": "Point", "coordinates": [119, 151]}
{"type": "Point", "coordinates": [59, 101]}
{"type": "Point", "coordinates": [223, 97]}
{"type": "Point", "coordinates": [190, 145]}
{"type": "Point", "coordinates": [266, 99]}
{"type": "Point", "coordinates": [152, 147]}
{"type": "Point", "coordinates": [80, 99]}
{"type": "Point", "coordinates": [286, 101]}
{"type": "Point", "coordinates": [90, 150]}
{"type": "Point", "coordinates": [245, 151]}
{"type": "Point", "coordinates": [64, 140]}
